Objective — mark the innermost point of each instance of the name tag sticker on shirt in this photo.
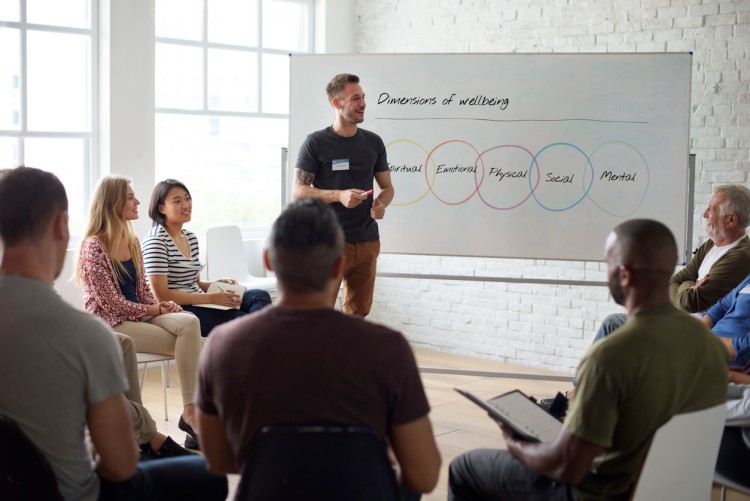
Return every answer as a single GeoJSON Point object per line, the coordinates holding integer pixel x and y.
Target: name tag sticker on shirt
{"type": "Point", "coordinates": [340, 164]}
{"type": "Point", "coordinates": [745, 289]}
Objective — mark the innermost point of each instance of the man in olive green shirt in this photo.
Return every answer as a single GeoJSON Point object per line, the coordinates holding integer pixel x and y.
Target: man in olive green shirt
{"type": "Point", "coordinates": [674, 364]}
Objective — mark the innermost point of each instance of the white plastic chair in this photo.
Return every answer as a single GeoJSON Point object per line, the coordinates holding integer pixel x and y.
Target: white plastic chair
{"type": "Point", "coordinates": [225, 258]}
{"type": "Point", "coordinates": [145, 359]}
{"type": "Point", "coordinates": [682, 457]}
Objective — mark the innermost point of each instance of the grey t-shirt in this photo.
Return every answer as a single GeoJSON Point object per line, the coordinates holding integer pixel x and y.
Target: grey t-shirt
{"type": "Point", "coordinates": [55, 361]}
{"type": "Point", "coordinates": [327, 155]}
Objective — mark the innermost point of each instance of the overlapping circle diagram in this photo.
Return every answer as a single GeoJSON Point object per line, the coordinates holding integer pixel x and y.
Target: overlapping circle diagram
{"type": "Point", "coordinates": [614, 176]}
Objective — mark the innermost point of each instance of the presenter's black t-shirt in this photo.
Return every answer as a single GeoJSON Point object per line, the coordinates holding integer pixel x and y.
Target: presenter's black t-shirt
{"type": "Point", "coordinates": [342, 163]}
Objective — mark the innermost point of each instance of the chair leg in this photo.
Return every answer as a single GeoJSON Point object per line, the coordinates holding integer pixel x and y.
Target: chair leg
{"type": "Point", "coordinates": [164, 381]}
{"type": "Point", "coordinates": [143, 376]}
{"type": "Point", "coordinates": [723, 493]}
{"type": "Point", "coordinates": [340, 300]}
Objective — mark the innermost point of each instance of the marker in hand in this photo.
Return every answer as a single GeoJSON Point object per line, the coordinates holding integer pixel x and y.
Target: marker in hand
{"type": "Point", "coordinates": [368, 192]}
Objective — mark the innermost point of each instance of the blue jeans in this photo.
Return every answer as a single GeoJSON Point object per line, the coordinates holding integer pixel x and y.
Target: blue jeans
{"type": "Point", "coordinates": [611, 323]}
{"type": "Point", "coordinates": [492, 474]}
{"type": "Point", "coordinates": [185, 478]}
{"type": "Point", "coordinates": [252, 300]}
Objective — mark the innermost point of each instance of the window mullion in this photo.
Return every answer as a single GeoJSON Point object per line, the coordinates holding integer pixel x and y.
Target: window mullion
{"type": "Point", "coordinates": [259, 60]}
{"type": "Point", "coordinates": [23, 85]}
{"type": "Point", "coordinates": [92, 170]}
{"type": "Point", "coordinates": [204, 48]}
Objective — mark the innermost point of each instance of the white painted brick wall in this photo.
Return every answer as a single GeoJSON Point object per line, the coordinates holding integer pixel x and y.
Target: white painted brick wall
{"type": "Point", "coordinates": [543, 325]}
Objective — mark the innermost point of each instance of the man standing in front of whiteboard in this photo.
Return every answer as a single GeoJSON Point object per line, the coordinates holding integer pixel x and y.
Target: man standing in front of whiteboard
{"type": "Point", "coordinates": [620, 401]}
{"type": "Point", "coordinates": [337, 165]}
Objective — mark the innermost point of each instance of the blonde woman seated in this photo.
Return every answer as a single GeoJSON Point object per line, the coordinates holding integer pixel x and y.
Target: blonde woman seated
{"type": "Point", "coordinates": [110, 271]}
{"type": "Point", "coordinates": [171, 260]}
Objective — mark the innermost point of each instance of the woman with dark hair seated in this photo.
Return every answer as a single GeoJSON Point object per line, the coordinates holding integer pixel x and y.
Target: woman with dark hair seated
{"type": "Point", "coordinates": [172, 264]}
{"type": "Point", "coordinates": [110, 271]}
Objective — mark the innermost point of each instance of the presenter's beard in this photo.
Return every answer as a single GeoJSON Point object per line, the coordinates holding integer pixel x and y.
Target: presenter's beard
{"type": "Point", "coordinates": [616, 290]}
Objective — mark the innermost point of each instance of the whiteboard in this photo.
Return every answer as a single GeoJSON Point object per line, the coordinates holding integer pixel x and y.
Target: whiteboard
{"type": "Point", "coordinates": [515, 155]}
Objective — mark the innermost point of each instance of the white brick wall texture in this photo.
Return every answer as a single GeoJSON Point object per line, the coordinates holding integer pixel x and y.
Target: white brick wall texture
{"type": "Point", "coordinates": [550, 326]}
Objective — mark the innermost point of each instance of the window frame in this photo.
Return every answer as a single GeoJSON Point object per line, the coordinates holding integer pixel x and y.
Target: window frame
{"type": "Point", "coordinates": [259, 51]}
{"type": "Point", "coordinates": [90, 139]}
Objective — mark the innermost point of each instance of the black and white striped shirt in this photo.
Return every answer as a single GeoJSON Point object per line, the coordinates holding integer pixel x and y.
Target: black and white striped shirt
{"type": "Point", "coordinates": [162, 257]}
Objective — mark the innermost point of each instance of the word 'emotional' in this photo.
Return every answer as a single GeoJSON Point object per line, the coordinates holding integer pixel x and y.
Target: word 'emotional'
{"type": "Point", "coordinates": [478, 100]}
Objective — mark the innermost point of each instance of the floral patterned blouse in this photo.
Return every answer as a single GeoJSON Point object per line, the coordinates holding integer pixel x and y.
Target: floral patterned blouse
{"type": "Point", "coordinates": [101, 289]}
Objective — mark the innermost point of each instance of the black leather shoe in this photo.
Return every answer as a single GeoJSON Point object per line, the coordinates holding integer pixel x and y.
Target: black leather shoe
{"type": "Point", "coordinates": [191, 441]}
{"type": "Point", "coordinates": [146, 454]}
{"type": "Point", "coordinates": [170, 449]}
{"type": "Point", "coordinates": [557, 406]}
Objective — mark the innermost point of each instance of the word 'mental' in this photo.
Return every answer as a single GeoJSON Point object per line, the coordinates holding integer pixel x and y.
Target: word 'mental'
{"type": "Point", "coordinates": [611, 176]}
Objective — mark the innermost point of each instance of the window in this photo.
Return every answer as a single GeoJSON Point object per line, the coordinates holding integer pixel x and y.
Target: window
{"type": "Point", "coordinates": [222, 102]}
{"type": "Point", "coordinates": [47, 88]}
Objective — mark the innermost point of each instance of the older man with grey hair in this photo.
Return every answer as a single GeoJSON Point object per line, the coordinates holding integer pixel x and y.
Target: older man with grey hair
{"type": "Point", "coordinates": [718, 265]}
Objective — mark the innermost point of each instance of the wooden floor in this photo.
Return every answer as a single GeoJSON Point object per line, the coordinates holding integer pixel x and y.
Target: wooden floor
{"type": "Point", "coordinates": [458, 424]}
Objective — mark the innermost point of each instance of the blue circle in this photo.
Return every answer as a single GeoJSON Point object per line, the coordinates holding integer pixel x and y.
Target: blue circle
{"type": "Point", "coordinates": [585, 193]}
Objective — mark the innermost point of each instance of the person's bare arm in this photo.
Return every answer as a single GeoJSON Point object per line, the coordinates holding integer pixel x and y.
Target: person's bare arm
{"type": "Point", "coordinates": [303, 188]}
{"type": "Point", "coordinates": [730, 348]}
{"type": "Point", "coordinates": [385, 197]}
{"type": "Point", "coordinates": [112, 436]}
{"type": "Point", "coordinates": [567, 459]}
{"type": "Point", "coordinates": [417, 454]}
{"type": "Point", "coordinates": [214, 443]}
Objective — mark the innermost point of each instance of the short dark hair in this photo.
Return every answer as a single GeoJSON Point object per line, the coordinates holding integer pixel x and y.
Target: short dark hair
{"type": "Point", "coordinates": [29, 199]}
{"type": "Point", "coordinates": [336, 86]}
{"type": "Point", "coordinates": [304, 244]}
{"type": "Point", "coordinates": [647, 245]}
{"type": "Point", "coordinates": [157, 198]}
